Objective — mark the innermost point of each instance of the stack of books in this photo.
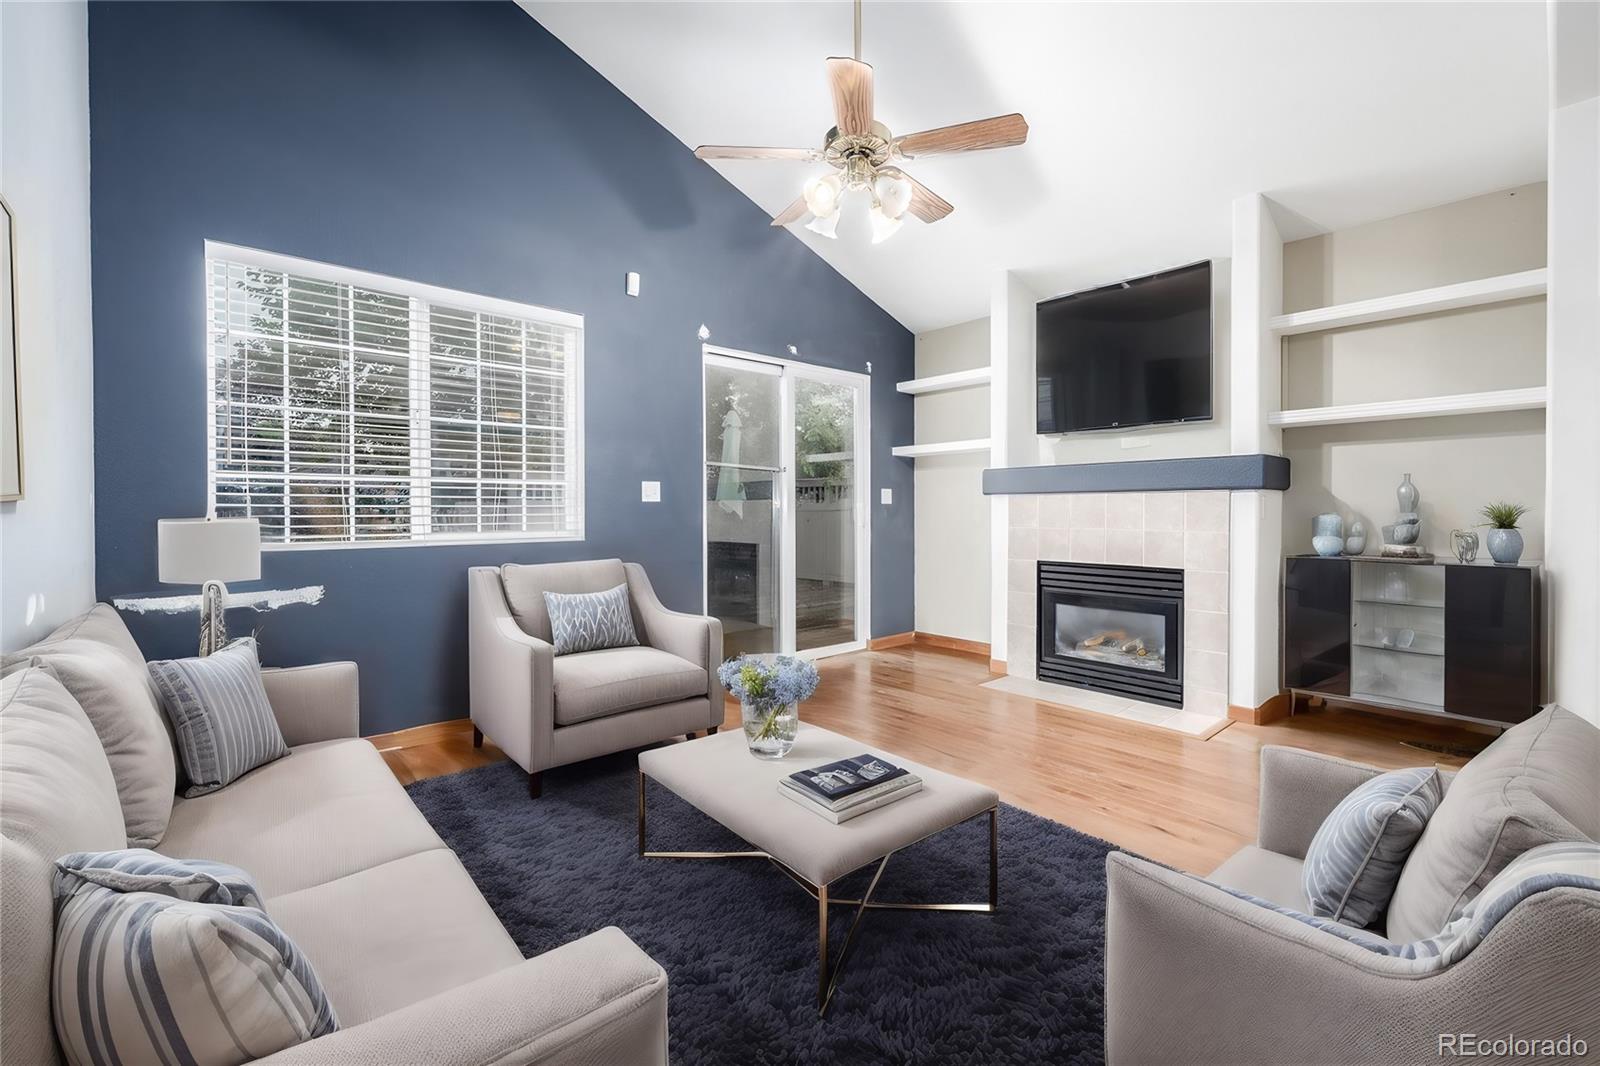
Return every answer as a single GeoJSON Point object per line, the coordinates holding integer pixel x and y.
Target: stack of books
{"type": "Point", "coordinates": [849, 788]}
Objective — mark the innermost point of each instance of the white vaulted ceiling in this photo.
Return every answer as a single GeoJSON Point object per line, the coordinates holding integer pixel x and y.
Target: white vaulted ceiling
{"type": "Point", "coordinates": [1147, 120]}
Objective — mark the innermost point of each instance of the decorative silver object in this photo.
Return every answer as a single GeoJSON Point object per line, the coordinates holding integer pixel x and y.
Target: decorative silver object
{"type": "Point", "coordinates": [1327, 534]}
{"type": "Point", "coordinates": [1400, 536]}
{"type": "Point", "coordinates": [1356, 542]}
{"type": "Point", "coordinates": [1466, 544]}
{"type": "Point", "coordinates": [1407, 495]}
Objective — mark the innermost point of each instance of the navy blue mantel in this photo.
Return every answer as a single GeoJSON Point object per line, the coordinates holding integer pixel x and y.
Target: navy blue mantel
{"type": "Point", "coordinates": [460, 145]}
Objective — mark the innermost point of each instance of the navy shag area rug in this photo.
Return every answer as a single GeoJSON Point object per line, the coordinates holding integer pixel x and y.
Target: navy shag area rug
{"type": "Point", "coordinates": [738, 939]}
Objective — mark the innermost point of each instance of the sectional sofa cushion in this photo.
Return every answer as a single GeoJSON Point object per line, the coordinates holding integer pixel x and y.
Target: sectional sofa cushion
{"type": "Point", "coordinates": [162, 960]}
{"type": "Point", "coordinates": [397, 933]}
{"type": "Point", "coordinates": [328, 810]}
{"type": "Point", "coordinates": [1536, 784]}
{"type": "Point", "coordinates": [590, 621]}
{"type": "Point", "coordinates": [1355, 859]}
{"type": "Point", "coordinates": [97, 661]}
{"type": "Point", "coordinates": [58, 796]}
{"type": "Point", "coordinates": [220, 715]}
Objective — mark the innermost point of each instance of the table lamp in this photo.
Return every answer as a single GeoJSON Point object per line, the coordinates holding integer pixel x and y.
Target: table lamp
{"type": "Point", "coordinates": [207, 552]}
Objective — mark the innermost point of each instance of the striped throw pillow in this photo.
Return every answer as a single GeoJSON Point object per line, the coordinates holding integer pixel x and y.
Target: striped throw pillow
{"type": "Point", "coordinates": [219, 710]}
{"type": "Point", "coordinates": [173, 961]}
{"type": "Point", "coordinates": [1354, 861]}
{"type": "Point", "coordinates": [589, 621]}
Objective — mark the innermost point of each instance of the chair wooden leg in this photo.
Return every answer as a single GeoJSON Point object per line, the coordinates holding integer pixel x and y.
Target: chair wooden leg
{"type": "Point", "coordinates": [477, 737]}
{"type": "Point", "coordinates": [535, 784]}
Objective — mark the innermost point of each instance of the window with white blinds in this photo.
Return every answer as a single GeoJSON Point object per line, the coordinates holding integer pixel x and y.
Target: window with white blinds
{"type": "Point", "coordinates": [349, 408]}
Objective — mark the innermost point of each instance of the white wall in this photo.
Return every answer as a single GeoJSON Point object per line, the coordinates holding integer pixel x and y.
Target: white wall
{"type": "Point", "coordinates": [1572, 549]}
{"type": "Point", "coordinates": [1458, 464]}
{"type": "Point", "coordinates": [952, 521]}
{"type": "Point", "coordinates": [47, 537]}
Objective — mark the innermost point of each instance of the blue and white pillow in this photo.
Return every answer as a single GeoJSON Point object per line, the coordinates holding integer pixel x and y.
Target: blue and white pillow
{"type": "Point", "coordinates": [173, 961]}
{"type": "Point", "coordinates": [589, 621]}
{"type": "Point", "coordinates": [1540, 869]}
{"type": "Point", "coordinates": [1355, 859]}
{"type": "Point", "coordinates": [220, 715]}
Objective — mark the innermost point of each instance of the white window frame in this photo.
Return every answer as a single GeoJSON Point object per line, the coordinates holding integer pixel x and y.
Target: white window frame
{"type": "Point", "coordinates": [416, 291]}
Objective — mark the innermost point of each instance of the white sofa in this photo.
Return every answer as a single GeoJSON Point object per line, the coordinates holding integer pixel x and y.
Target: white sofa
{"type": "Point", "coordinates": [415, 962]}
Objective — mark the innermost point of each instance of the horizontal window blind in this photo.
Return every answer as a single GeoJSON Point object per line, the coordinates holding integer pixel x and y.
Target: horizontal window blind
{"type": "Point", "coordinates": [347, 408]}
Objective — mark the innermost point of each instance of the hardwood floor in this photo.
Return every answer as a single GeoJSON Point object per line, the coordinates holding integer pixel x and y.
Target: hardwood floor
{"type": "Point", "coordinates": [1185, 802]}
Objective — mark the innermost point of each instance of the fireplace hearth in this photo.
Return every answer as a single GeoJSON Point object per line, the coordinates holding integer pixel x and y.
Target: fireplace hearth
{"type": "Point", "coordinates": [1116, 629]}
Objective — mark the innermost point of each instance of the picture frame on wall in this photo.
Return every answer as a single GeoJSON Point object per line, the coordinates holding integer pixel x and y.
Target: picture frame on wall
{"type": "Point", "coordinates": [10, 375]}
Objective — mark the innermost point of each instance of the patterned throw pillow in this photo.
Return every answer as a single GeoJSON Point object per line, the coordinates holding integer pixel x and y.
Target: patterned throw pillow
{"type": "Point", "coordinates": [173, 960]}
{"type": "Point", "coordinates": [219, 711]}
{"type": "Point", "coordinates": [1355, 859]}
{"type": "Point", "coordinates": [589, 621]}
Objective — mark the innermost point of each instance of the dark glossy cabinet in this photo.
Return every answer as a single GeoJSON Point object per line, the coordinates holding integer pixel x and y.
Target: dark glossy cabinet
{"type": "Point", "coordinates": [1442, 638]}
{"type": "Point", "coordinates": [1492, 650]}
{"type": "Point", "coordinates": [1316, 626]}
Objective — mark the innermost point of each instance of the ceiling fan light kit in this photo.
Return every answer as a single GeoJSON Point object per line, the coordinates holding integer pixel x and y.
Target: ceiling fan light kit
{"type": "Point", "coordinates": [864, 156]}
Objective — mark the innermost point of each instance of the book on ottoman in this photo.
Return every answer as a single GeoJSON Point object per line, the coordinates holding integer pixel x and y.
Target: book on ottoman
{"type": "Point", "coordinates": [842, 790]}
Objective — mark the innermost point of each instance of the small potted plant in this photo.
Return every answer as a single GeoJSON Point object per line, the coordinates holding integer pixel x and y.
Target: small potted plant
{"type": "Point", "coordinates": [770, 691]}
{"type": "Point", "coordinates": [1505, 539]}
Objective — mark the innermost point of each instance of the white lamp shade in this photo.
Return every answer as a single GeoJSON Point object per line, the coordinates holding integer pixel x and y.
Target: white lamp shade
{"type": "Point", "coordinates": [193, 551]}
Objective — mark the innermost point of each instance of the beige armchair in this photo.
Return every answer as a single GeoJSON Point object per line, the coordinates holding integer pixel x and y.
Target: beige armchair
{"type": "Point", "coordinates": [545, 710]}
{"type": "Point", "coordinates": [1196, 975]}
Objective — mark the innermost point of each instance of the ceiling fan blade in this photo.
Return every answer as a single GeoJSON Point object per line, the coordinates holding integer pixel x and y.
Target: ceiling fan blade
{"type": "Point", "coordinates": [851, 82]}
{"type": "Point", "coordinates": [1003, 131]}
{"type": "Point", "coordinates": [926, 204]}
{"type": "Point", "coordinates": [740, 151]}
{"type": "Point", "coordinates": [793, 213]}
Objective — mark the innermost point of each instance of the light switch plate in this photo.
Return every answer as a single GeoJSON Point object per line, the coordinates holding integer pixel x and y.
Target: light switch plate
{"type": "Point", "coordinates": [650, 491]}
{"type": "Point", "coordinates": [886, 496]}
{"type": "Point", "coordinates": [633, 283]}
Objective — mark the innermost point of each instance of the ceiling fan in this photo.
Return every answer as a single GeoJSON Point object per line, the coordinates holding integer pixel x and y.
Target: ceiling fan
{"type": "Point", "coordinates": [864, 155]}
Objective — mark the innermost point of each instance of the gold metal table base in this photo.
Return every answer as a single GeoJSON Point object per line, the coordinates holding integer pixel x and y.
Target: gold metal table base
{"type": "Point", "coordinates": [828, 978]}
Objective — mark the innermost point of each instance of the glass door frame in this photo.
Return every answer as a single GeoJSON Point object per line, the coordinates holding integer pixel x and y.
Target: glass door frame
{"type": "Point", "coordinates": [788, 371]}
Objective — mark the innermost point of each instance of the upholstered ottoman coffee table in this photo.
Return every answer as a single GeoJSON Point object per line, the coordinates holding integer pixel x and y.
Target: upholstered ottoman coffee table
{"type": "Point", "coordinates": [718, 776]}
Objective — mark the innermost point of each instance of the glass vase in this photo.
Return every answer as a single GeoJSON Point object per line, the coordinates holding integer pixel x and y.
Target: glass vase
{"type": "Point", "coordinates": [769, 728]}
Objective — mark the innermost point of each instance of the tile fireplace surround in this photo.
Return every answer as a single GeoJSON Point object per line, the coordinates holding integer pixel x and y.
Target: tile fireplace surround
{"type": "Point", "coordinates": [1181, 530]}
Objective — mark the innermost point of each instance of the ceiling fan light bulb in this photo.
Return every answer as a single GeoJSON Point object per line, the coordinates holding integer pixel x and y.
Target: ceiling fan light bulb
{"type": "Point", "coordinates": [884, 225]}
{"type": "Point", "coordinates": [825, 225]}
{"type": "Point", "coordinates": [822, 195]}
{"type": "Point", "coordinates": [893, 191]}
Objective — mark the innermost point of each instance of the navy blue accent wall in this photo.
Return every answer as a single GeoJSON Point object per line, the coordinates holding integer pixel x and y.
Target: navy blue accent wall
{"type": "Point", "coordinates": [460, 145]}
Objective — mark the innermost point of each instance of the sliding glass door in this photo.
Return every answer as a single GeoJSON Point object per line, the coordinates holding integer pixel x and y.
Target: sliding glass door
{"type": "Point", "coordinates": [744, 429]}
{"type": "Point", "coordinates": [786, 519]}
{"type": "Point", "coordinates": [826, 514]}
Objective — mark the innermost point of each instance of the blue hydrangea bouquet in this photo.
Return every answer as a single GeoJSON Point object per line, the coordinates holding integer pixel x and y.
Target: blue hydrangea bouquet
{"type": "Point", "coordinates": [770, 689]}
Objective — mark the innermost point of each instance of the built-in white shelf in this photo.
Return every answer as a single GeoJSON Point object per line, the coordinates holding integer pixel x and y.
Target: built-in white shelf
{"type": "Point", "coordinates": [960, 379]}
{"type": "Point", "coordinates": [1424, 301]}
{"type": "Point", "coordinates": [1424, 407]}
{"type": "Point", "coordinates": [949, 447]}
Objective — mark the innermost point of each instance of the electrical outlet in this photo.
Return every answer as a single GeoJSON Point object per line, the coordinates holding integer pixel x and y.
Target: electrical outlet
{"type": "Point", "coordinates": [650, 492]}
{"type": "Point", "coordinates": [886, 497]}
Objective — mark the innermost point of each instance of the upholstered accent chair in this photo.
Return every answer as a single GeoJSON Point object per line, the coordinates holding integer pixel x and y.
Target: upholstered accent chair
{"type": "Point", "coordinates": [1196, 974]}
{"type": "Point", "coordinates": [546, 710]}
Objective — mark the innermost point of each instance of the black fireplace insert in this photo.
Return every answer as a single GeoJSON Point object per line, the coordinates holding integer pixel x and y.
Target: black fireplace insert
{"type": "Point", "coordinates": [1115, 629]}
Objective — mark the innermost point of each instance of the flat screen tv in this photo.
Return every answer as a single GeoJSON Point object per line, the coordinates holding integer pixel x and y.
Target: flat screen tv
{"type": "Point", "coordinates": [1136, 353]}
